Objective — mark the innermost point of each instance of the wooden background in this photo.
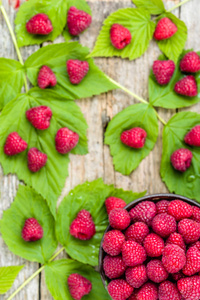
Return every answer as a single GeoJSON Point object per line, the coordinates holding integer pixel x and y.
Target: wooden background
{"type": "Point", "coordinates": [98, 111]}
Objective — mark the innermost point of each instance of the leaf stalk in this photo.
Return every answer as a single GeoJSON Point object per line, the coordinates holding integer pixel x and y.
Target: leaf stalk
{"type": "Point", "coordinates": [178, 5]}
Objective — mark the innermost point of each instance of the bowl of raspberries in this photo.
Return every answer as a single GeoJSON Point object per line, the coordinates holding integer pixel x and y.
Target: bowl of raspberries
{"type": "Point", "coordinates": [151, 249]}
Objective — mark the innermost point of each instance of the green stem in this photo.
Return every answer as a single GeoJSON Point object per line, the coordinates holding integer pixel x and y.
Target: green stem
{"type": "Point", "coordinates": [160, 118]}
{"type": "Point", "coordinates": [178, 5]}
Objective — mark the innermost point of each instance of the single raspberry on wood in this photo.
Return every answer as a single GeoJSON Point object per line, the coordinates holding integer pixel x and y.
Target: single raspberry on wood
{"type": "Point", "coordinates": [190, 230]}
{"type": "Point", "coordinates": [164, 224]}
{"type": "Point", "coordinates": [119, 218]}
{"type": "Point", "coordinates": [190, 63]}
{"type": "Point", "coordinates": [176, 239]}
{"type": "Point", "coordinates": [181, 159]}
{"type": "Point", "coordinates": [113, 241]}
{"type": "Point", "coordinates": [189, 288]}
{"type": "Point", "coordinates": [137, 232]}
{"type": "Point", "coordinates": [163, 71]}
{"type": "Point", "coordinates": [186, 86]}
{"type": "Point", "coordinates": [168, 291]}
{"type": "Point", "coordinates": [83, 227]}
{"type": "Point", "coordinates": [154, 245]}
{"type": "Point", "coordinates": [119, 289]}
{"type": "Point", "coordinates": [114, 202]}
{"type": "Point", "coordinates": [66, 140]}
{"type": "Point", "coordinates": [173, 258]}
{"type": "Point", "coordinates": [77, 20]}
{"type": "Point", "coordinates": [192, 138]}
{"type": "Point", "coordinates": [148, 291]}
{"type": "Point", "coordinates": [134, 138]}
{"type": "Point", "coordinates": [143, 212]}
{"type": "Point", "coordinates": [180, 209]}
{"type": "Point", "coordinates": [162, 206]}
{"type": "Point", "coordinates": [120, 36]}
{"type": "Point", "coordinates": [36, 160]}
{"type": "Point", "coordinates": [156, 271]}
{"type": "Point", "coordinates": [14, 144]}
{"type": "Point", "coordinates": [39, 116]}
{"type": "Point", "coordinates": [136, 276]}
{"type": "Point", "coordinates": [79, 286]}
{"type": "Point", "coordinates": [165, 29]}
{"type": "Point", "coordinates": [77, 70]}
{"type": "Point", "coordinates": [192, 265]}
{"type": "Point", "coordinates": [113, 266]}
{"type": "Point", "coordinates": [46, 78]}
{"type": "Point", "coordinates": [32, 230]}
{"type": "Point", "coordinates": [39, 24]}
{"type": "Point", "coordinates": [133, 254]}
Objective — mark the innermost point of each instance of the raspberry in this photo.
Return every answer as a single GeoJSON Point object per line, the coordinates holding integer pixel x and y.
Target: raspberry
{"type": "Point", "coordinates": [119, 289]}
{"type": "Point", "coordinates": [137, 232]}
{"type": "Point", "coordinates": [78, 286]}
{"type": "Point", "coordinates": [178, 275]}
{"type": "Point", "coordinates": [180, 210]}
{"type": "Point", "coordinates": [39, 117]}
{"type": "Point", "coordinates": [66, 140]}
{"type": "Point", "coordinates": [77, 70]}
{"type": "Point", "coordinates": [168, 291]}
{"type": "Point", "coordinates": [165, 29]}
{"type": "Point", "coordinates": [32, 230]}
{"type": "Point", "coordinates": [192, 138]}
{"type": "Point", "coordinates": [187, 86]}
{"type": "Point", "coordinates": [83, 227]}
{"type": "Point", "coordinates": [119, 218]}
{"type": "Point", "coordinates": [190, 230]}
{"type": "Point", "coordinates": [162, 206]}
{"type": "Point", "coordinates": [196, 214]}
{"type": "Point", "coordinates": [39, 24]}
{"type": "Point", "coordinates": [77, 20]}
{"type": "Point", "coordinates": [173, 258]}
{"type": "Point", "coordinates": [189, 287]}
{"type": "Point", "coordinates": [164, 225]}
{"type": "Point", "coordinates": [46, 77]}
{"type": "Point", "coordinates": [15, 3]}
{"type": "Point", "coordinates": [181, 159]}
{"type": "Point", "coordinates": [190, 63]}
{"type": "Point", "coordinates": [163, 71]}
{"type": "Point", "coordinates": [113, 266]}
{"type": "Point", "coordinates": [113, 202]}
{"type": "Point", "coordinates": [36, 160]}
{"type": "Point", "coordinates": [192, 261]}
{"type": "Point", "coordinates": [143, 212]}
{"type": "Point", "coordinates": [113, 241]}
{"type": "Point", "coordinates": [14, 144]}
{"type": "Point", "coordinates": [176, 239]}
{"type": "Point", "coordinates": [154, 245]}
{"type": "Point", "coordinates": [133, 296]}
{"type": "Point", "coordinates": [120, 36]}
{"type": "Point", "coordinates": [134, 138]}
{"type": "Point", "coordinates": [156, 271]}
{"type": "Point", "coordinates": [133, 254]}
{"type": "Point", "coordinates": [148, 291]}
{"type": "Point", "coordinates": [136, 276]}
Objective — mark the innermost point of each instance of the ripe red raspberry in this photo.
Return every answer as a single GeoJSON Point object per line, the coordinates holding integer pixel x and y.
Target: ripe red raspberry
{"type": "Point", "coordinates": [77, 70]}
{"type": "Point", "coordinates": [113, 202]}
{"type": "Point", "coordinates": [178, 275]}
{"type": "Point", "coordinates": [113, 266]}
{"type": "Point", "coordinates": [165, 29]}
{"type": "Point", "coordinates": [83, 227]}
{"type": "Point", "coordinates": [163, 71]}
{"type": "Point", "coordinates": [39, 24]}
{"type": "Point", "coordinates": [162, 206]}
{"type": "Point", "coordinates": [156, 271]}
{"type": "Point", "coordinates": [14, 144]}
{"type": "Point", "coordinates": [136, 276]}
{"type": "Point", "coordinates": [119, 218]}
{"type": "Point", "coordinates": [190, 230]}
{"type": "Point", "coordinates": [197, 244]}
{"type": "Point", "coordinates": [113, 241]}
{"type": "Point", "coordinates": [189, 288]}
{"type": "Point", "coordinates": [78, 286]}
{"type": "Point", "coordinates": [148, 291]}
{"type": "Point", "coordinates": [133, 254]}
{"type": "Point", "coordinates": [46, 78]}
{"type": "Point", "coordinates": [133, 296]}
{"type": "Point", "coordinates": [32, 230]}
{"type": "Point", "coordinates": [192, 261]}
{"type": "Point", "coordinates": [143, 212]}
{"type": "Point", "coordinates": [39, 117]}
{"type": "Point", "coordinates": [66, 140]}
{"type": "Point", "coordinates": [192, 138]}
{"type": "Point", "coordinates": [190, 63]}
{"type": "Point", "coordinates": [164, 225]}
{"type": "Point", "coordinates": [154, 245]}
{"type": "Point", "coordinates": [120, 36]}
{"type": "Point", "coordinates": [173, 258]}
{"type": "Point", "coordinates": [196, 214]}
{"type": "Point", "coordinates": [36, 160]}
{"type": "Point", "coordinates": [168, 291]}
{"type": "Point", "coordinates": [137, 232]}
{"type": "Point", "coordinates": [77, 20]}
{"type": "Point", "coordinates": [180, 210]}
{"type": "Point", "coordinates": [176, 239]}
{"type": "Point", "coordinates": [186, 86]}
{"type": "Point", "coordinates": [119, 289]}
{"type": "Point", "coordinates": [134, 138]}
{"type": "Point", "coordinates": [181, 159]}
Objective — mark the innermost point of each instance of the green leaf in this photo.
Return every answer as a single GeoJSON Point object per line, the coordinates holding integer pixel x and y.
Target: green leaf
{"type": "Point", "coordinates": [50, 180]}
{"type": "Point", "coordinates": [173, 46]}
{"type": "Point", "coordinates": [11, 80]}
{"type": "Point", "coordinates": [57, 272]}
{"type": "Point", "coordinates": [127, 196]}
{"type": "Point", "coordinates": [7, 277]}
{"type": "Point", "coordinates": [164, 96]}
{"type": "Point", "coordinates": [187, 183]}
{"type": "Point", "coordinates": [139, 23]}
{"type": "Point", "coordinates": [155, 7]}
{"type": "Point", "coordinates": [29, 204]}
{"type": "Point", "coordinates": [127, 159]}
{"type": "Point", "coordinates": [56, 56]}
{"type": "Point", "coordinates": [56, 10]}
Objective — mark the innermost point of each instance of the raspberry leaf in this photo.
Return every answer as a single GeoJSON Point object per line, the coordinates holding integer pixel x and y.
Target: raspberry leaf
{"type": "Point", "coordinates": [55, 57]}
{"type": "Point", "coordinates": [7, 277]}
{"type": "Point", "coordinates": [165, 96]}
{"type": "Point", "coordinates": [139, 23]}
{"type": "Point", "coordinates": [52, 9]}
{"type": "Point", "coordinates": [57, 272]}
{"type": "Point", "coordinates": [127, 159]}
{"type": "Point", "coordinates": [50, 180]}
{"type": "Point", "coordinates": [11, 80]}
{"type": "Point", "coordinates": [187, 183]}
{"type": "Point", "coordinates": [174, 46]}
{"type": "Point", "coordinates": [155, 7]}
{"type": "Point", "coordinates": [29, 204]}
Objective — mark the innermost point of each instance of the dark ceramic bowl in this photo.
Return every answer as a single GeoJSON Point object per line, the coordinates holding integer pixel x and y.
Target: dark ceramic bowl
{"type": "Point", "coordinates": [155, 198]}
